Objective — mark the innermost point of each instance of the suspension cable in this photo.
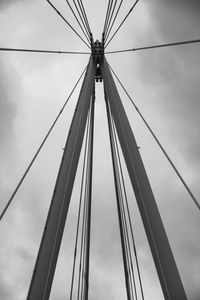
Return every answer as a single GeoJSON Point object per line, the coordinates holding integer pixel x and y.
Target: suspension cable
{"type": "Point", "coordinates": [83, 30]}
{"type": "Point", "coordinates": [110, 18]}
{"type": "Point", "coordinates": [88, 220]}
{"type": "Point", "coordinates": [121, 23]}
{"type": "Point", "coordinates": [39, 149]}
{"type": "Point", "coordinates": [85, 236]}
{"type": "Point", "coordinates": [82, 8]}
{"type": "Point", "coordinates": [82, 247]}
{"type": "Point", "coordinates": [127, 240]}
{"type": "Point", "coordinates": [159, 144]}
{"type": "Point", "coordinates": [81, 18]}
{"type": "Point", "coordinates": [106, 18]}
{"type": "Point", "coordinates": [79, 209]}
{"type": "Point", "coordinates": [81, 264]}
{"type": "Point", "coordinates": [122, 236]}
{"type": "Point", "coordinates": [113, 22]}
{"type": "Point", "coordinates": [42, 51]}
{"type": "Point", "coordinates": [68, 23]}
{"type": "Point", "coordinates": [155, 46]}
{"type": "Point", "coordinates": [129, 217]}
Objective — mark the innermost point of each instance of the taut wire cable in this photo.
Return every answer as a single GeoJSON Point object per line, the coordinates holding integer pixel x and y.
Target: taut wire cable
{"type": "Point", "coordinates": [38, 151]}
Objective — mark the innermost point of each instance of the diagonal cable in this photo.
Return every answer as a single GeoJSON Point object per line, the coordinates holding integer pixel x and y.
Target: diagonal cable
{"type": "Point", "coordinates": [122, 23]}
{"type": "Point", "coordinates": [117, 193]}
{"type": "Point", "coordinates": [155, 46]}
{"type": "Point", "coordinates": [106, 18]}
{"type": "Point", "coordinates": [81, 18]}
{"type": "Point", "coordinates": [82, 8]}
{"type": "Point", "coordinates": [129, 216]}
{"type": "Point", "coordinates": [123, 195]}
{"type": "Point", "coordinates": [38, 151]}
{"type": "Point", "coordinates": [83, 30]}
{"type": "Point", "coordinates": [111, 16]}
{"type": "Point", "coordinates": [159, 144]}
{"type": "Point", "coordinates": [57, 11]}
{"type": "Point", "coordinates": [79, 210]}
{"type": "Point", "coordinates": [41, 51]}
{"type": "Point", "coordinates": [113, 22]}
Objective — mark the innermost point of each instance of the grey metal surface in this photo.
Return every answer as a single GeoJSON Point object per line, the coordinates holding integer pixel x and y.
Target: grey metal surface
{"type": "Point", "coordinates": [49, 248]}
{"type": "Point", "coordinates": [161, 251]}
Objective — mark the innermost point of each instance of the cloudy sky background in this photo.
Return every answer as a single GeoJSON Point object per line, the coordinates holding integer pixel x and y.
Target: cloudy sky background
{"type": "Point", "coordinates": [165, 84]}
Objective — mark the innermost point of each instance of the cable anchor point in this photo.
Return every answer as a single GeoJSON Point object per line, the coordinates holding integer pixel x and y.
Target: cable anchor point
{"type": "Point", "coordinates": [98, 56]}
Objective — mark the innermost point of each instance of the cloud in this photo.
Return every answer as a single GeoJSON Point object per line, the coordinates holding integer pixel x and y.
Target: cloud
{"type": "Point", "coordinates": [8, 105]}
{"type": "Point", "coordinates": [7, 3]}
{"type": "Point", "coordinates": [5, 292]}
{"type": "Point", "coordinates": [172, 103]}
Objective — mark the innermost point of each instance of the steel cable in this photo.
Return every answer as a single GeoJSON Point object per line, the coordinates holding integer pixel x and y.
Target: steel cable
{"type": "Point", "coordinates": [121, 23]}
{"type": "Point", "coordinates": [122, 235]}
{"type": "Point", "coordinates": [122, 187]}
{"type": "Point", "coordinates": [83, 30]}
{"type": "Point", "coordinates": [81, 18]}
{"type": "Point", "coordinates": [89, 196]}
{"type": "Point", "coordinates": [38, 151]}
{"type": "Point", "coordinates": [129, 217]}
{"type": "Point", "coordinates": [82, 8]}
{"type": "Point", "coordinates": [57, 11]}
{"type": "Point", "coordinates": [159, 144]}
{"type": "Point", "coordinates": [41, 51]}
{"type": "Point", "coordinates": [113, 22]}
{"type": "Point", "coordinates": [79, 209]}
{"type": "Point", "coordinates": [107, 16]}
{"type": "Point", "coordinates": [111, 16]}
{"type": "Point", "coordinates": [105, 22]}
{"type": "Point", "coordinates": [155, 46]}
{"type": "Point", "coordinates": [82, 261]}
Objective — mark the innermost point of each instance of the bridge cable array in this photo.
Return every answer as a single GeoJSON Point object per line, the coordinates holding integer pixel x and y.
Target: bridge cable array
{"type": "Point", "coordinates": [85, 210]}
{"type": "Point", "coordinates": [125, 223]}
{"type": "Point", "coordinates": [84, 30]}
{"type": "Point", "coordinates": [57, 11]}
{"type": "Point", "coordinates": [110, 20]}
{"type": "Point", "coordinates": [110, 16]}
{"type": "Point", "coordinates": [108, 52]}
{"type": "Point", "coordinates": [82, 18]}
{"type": "Point", "coordinates": [111, 26]}
{"type": "Point", "coordinates": [114, 34]}
{"type": "Point", "coordinates": [39, 149]}
{"type": "Point", "coordinates": [158, 143]}
{"type": "Point", "coordinates": [128, 211]}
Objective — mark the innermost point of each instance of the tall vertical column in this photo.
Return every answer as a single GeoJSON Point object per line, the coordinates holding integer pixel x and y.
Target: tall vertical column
{"type": "Point", "coordinates": [49, 248]}
{"type": "Point", "coordinates": [160, 248]}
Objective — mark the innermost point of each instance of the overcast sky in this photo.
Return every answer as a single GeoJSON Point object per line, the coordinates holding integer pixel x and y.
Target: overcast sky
{"type": "Point", "coordinates": [164, 83]}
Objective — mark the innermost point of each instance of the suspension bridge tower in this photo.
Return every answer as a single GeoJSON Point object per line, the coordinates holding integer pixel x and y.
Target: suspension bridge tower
{"type": "Point", "coordinates": [120, 135]}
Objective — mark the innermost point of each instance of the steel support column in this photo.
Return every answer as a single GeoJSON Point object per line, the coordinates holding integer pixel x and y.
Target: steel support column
{"type": "Point", "coordinates": [162, 254]}
{"type": "Point", "coordinates": [49, 248]}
